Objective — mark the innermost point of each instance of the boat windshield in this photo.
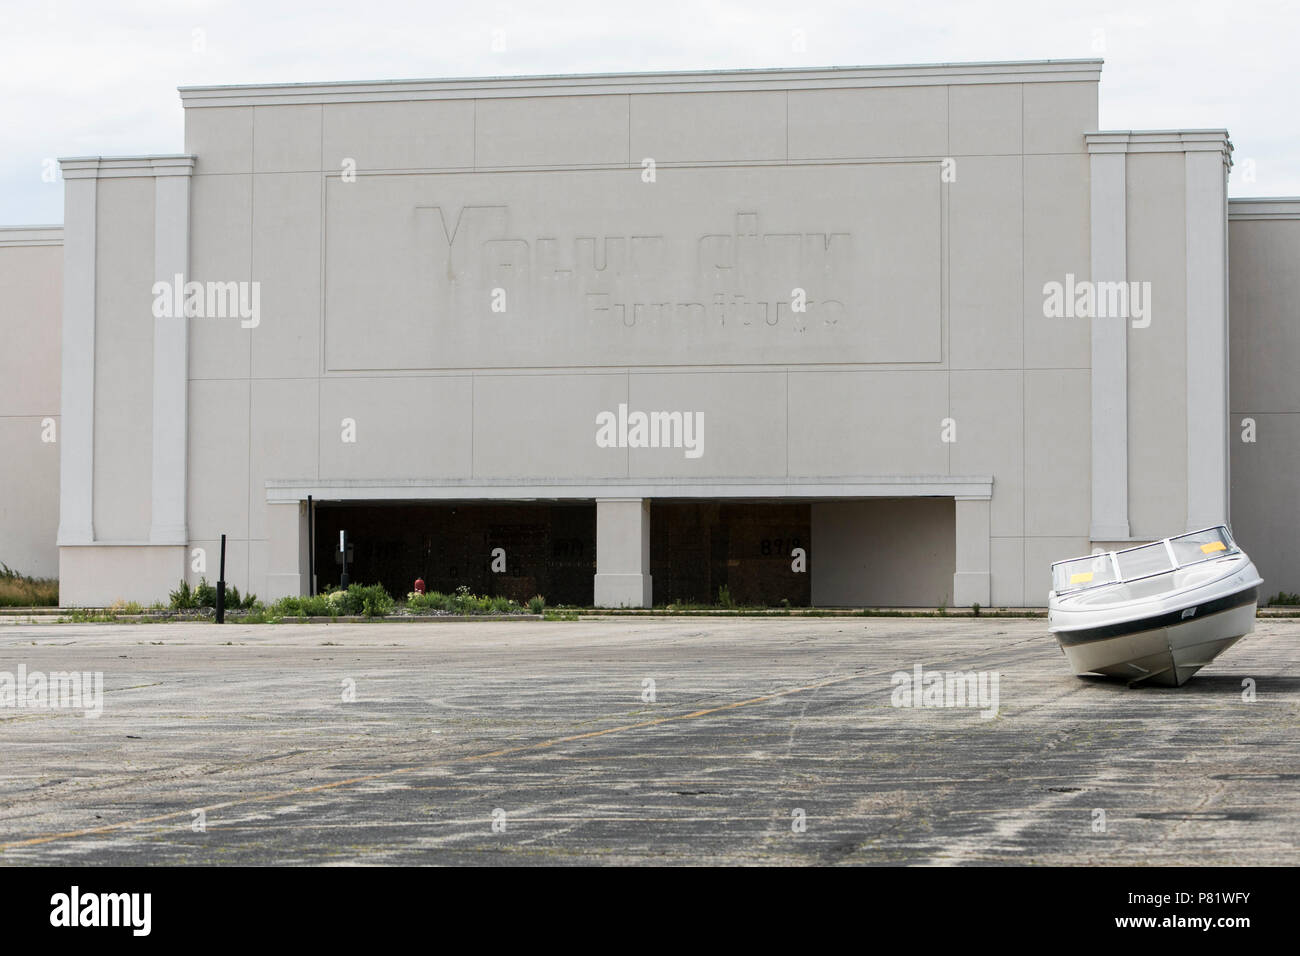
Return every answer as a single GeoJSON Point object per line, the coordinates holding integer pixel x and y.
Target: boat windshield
{"type": "Point", "coordinates": [1161, 557]}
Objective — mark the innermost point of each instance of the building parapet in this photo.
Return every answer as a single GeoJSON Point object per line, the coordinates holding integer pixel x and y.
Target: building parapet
{"type": "Point", "coordinates": [934, 74]}
{"type": "Point", "coordinates": [1273, 207]}
{"type": "Point", "coordinates": [31, 236]}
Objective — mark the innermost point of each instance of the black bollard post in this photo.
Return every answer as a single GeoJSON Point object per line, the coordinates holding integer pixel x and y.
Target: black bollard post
{"type": "Point", "coordinates": [221, 585]}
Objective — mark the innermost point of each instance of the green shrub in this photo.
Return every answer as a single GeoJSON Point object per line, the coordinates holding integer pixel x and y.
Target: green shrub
{"type": "Point", "coordinates": [1285, 598]}
{"type": "Point", "coordinates": [205, 594]}
{"type": "Point", "coordinates": [465, 603]}
{"type": "Point", "coordinates": [318, 605]}
{"type": "Point", "coordinates": [182, 599]}
{"type": "Point", "coordinates": [368, 599]}
{"type": "Point", "coordinates": [724, 597]}
{"type": "Point", "coordinates": [536, 604]}
{"type": "Point", "coordinates": [432, 601]}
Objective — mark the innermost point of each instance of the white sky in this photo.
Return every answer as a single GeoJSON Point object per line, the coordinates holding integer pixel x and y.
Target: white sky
{"type": "Point", "coordinates": [99, 78]}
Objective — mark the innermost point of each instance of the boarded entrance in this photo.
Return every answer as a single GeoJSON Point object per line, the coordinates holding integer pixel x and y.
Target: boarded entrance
{"type": "Point", "coordinates": [697, 547]}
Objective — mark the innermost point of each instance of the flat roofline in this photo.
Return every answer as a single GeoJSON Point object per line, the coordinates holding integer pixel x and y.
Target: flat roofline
{"type": "Point", "coordinates": [120, 167]}
{"type": "Point", "coordinates": [1249, 208]}
{"type": "Point", "coordinates": [44, 235]}
{"type": "Point", "coordinates": [554, 84]}
{"type": "Point", "coordinates": [1160, 141]}
{"type": "Point", "coordinates": [1156, 132]}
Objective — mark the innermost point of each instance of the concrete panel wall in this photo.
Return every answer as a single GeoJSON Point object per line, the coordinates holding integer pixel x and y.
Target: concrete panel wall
{"type": "Point", "coordinates": [378, 289]}
{"type": "Point", "coordinates": [102, 575]}
{"type": "Point", "coordinates": [1264, 248]}
{"type": "Point", "coordinates": [551, 131]}
{"type": "Point", "coordinates": [868, 423]}
{"type": "Point", "coordinates": [31, 303]}
{"type": "Point", "coordinates": [221, 250]}
{"type": "Point", "coordinates": [986, 250]}
{"type": "Point", "coordinates": [695, 127]}
{"type": "Point", "coordinates": [1058, 192]}
{"type": "Point", "coordinates": [473, 271]}
{"type": "Point", "coordinates": [286, 341]}
{"type": "Point", "coordinates": [1054, 113]}
{"type": "Point", "coordinates": [415, 134]}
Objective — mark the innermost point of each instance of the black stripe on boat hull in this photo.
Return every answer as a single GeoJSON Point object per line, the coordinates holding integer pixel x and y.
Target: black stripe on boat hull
{"type": "Point", "coordinates": [1088, 635]}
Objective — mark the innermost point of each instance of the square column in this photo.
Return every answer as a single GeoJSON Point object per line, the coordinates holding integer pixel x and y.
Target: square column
{"type": "Point", "coordinates": [623, 552]}
{"type": "Point", "coordinates": [287, 573]}
{"type": "Point", "coordinates": [1207, 162]}
{"type": "Point", "coordinates": [77, 409]}
{"type": "Point", "coordinates": [970, 582]}
{"type": "Point", "coordinates": [170, 354]}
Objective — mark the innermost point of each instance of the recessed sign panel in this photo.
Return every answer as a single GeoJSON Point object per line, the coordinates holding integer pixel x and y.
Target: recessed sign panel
{"type": "Point", "coordinates": [781, 265]}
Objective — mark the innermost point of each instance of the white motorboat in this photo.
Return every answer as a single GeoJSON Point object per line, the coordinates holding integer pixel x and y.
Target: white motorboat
{"type": "Point", "coordinates": [1154, 614]}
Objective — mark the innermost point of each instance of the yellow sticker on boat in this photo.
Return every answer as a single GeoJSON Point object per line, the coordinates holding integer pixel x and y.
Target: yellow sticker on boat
{"type": "Point", "coordinates": [1212, 547]}
{"type": "Point", "coordinates": [1081, 577]}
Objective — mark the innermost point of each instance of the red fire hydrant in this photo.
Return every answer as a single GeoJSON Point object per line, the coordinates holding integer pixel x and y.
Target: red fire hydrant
{"type": "Point", "coordinates": [419, 585]}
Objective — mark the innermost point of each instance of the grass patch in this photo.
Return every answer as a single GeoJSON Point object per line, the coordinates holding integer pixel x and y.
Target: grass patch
{"type": "Point", "coordinates": [20, 590]}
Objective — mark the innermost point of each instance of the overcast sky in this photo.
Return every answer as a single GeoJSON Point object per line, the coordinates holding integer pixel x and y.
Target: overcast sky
{"type": "Point", "coordinates": [99, 78]}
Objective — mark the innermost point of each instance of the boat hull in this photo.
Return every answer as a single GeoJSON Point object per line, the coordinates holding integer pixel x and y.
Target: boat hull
{"type": "Point", "coordinates": [1159, 652]}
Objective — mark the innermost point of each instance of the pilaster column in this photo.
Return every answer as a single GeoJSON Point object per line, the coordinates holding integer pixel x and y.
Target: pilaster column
{"type": "Point", "coordinates": [1208, 159]}
{"type": "Point", "coordinates": [170, 353]}
{"type": "Point", "coordinates": [287, 573]}
{"type": "Point", "coordinates": [77, 396]}
{"type": "Point", "coordinates": [970, 583]}
{"type": "Point", "coordinates": [623, 552]}
{"type": "Point", "coordinates": [1109, 247]}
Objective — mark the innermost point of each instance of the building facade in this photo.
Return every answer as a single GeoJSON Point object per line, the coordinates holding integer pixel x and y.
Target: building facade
{"type": "Point", "coordinates": [862, 336]}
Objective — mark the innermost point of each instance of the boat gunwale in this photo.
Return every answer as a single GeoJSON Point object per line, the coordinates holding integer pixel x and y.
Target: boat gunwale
{"type": "Point", "coordinates": [1055, 609]}
{"type": "Point", "coordinates": [1068, 636]}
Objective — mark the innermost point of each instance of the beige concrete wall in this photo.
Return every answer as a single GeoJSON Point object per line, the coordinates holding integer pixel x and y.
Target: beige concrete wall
{"type": "Point", "coordinates": [892, 552]}
{"type": "Point", "coordinates": [1264, 248]}
{"type": "Point", "coordinates": [101, 575]}
{"type": "Point", "coordinates": [377, 293]}
{"type": "Point", "coordinates": [31, 304]}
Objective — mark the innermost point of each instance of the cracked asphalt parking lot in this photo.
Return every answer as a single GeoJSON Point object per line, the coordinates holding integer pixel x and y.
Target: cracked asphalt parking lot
{"type": "Point", "coordinates": [753, 721]}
